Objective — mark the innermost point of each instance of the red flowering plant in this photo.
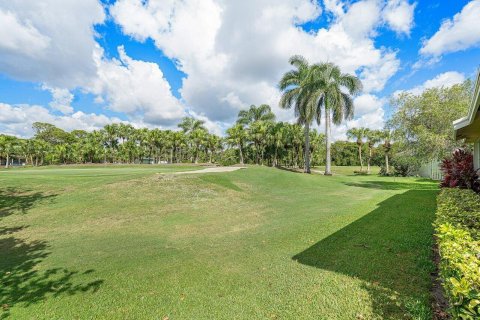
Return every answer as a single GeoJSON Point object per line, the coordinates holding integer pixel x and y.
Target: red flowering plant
{"type": "Point", "coordinates": [458, 171]}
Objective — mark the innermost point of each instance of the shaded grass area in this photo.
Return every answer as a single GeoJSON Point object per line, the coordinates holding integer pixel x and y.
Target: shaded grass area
{"type": "Point", "coordinates": [386, 249]}
{"type": "Point", "coordinates": [259, 243]}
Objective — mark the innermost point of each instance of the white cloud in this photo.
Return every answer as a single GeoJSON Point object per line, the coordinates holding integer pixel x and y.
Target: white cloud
{"type": "Point", "coordinates": [20, 36]}
{"type": "Point", "coordinates": [62, 98]}
{"type": "Point", "coordinates": [456, 34]}
{"type": "Point", "coordinates": [399, 14]}
{"type": "Point", "coordinates": [367, 103]}
{"type": "Point", "coordinates": [446, 79]}
{"type": "Point", "coordinates": [49, 41]}
{"type": "Point", "coordinates": [234, 52]}
{"type": "Point", "coordinates": [135, 87]}
{"type": "Point", "coordinates": [18, 119]}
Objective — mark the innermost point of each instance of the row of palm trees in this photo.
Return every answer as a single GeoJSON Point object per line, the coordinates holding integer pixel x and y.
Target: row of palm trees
{"type": "Point", "coordinates": [259, 138]}
{"type": "Point", "coordinates": [363, 136]}
{"type": "Point", "coordinates": [311, 90]}
{"type": "Point", "coordinates": [255, 138]}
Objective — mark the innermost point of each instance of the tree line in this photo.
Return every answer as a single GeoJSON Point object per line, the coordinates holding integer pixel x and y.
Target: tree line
{"type": "Point", "coordinates": [419, 130]}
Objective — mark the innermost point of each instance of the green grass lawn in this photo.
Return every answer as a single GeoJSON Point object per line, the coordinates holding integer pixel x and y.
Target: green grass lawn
{"type": "Point", "coordinates": [260, 243]}
{"type": "Point", "coordinates": [349, 170]}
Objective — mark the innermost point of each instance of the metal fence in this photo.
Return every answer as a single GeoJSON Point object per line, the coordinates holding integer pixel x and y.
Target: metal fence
{"type": "Point", "coordinates": [431, 170]}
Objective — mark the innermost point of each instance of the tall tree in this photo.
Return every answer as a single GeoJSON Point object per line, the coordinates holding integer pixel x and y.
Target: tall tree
{"type": "Point", "coordinates": [237, 136]}
{"type": "Point", "coordinates": [189, 124]}
{"type": "Point", "coordinates": [387, 147]}
{"type": "Point", "coordinates": [297, 94]}
{"type": "Point", "coordinates": [7, 147]}
{"type": "Point", "coordinates": [358, 134]}
{"type": "Point", "coordinates": [422, 123]}
{"type": "Point", "coordinates": [329, 86]}
{"type": "Point", "coordinates": [373, 137]}
{"type": "Point", "coordinates": [254, 113]}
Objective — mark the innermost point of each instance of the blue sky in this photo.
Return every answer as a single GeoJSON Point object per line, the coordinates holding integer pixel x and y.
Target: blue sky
{"type": "Point", "coordinates": [152, 62]}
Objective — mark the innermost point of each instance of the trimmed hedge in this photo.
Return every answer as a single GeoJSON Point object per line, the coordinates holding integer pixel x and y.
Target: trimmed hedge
{"type": "Point", "coordinates": [461, 208]}
{"type": "Point", "coordinates": [457, 230]}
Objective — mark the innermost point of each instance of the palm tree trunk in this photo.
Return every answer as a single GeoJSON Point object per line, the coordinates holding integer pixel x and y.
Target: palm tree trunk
{"type": "Point", "coordinates": [360, 156]}
{"type": "Point", "coordinates": [307, 148]}
{"type": "Point", "coordinates": [328, 160]}
{"type": "Point", "coordinates": [369, 159]}
{"type": "Point", "coordinates": [274, 163]}
{"type": "Point", "coordinates": [387, 168]}
{"type": "Point", "coordinates": [241, 153]}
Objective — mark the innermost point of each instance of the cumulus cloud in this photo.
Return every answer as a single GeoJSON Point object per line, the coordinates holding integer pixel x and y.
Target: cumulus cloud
{"type": "Point", "coordinates": [62, 98]}
{"type": "Point", "coordinates": [234, 52]}
{"type": "Point", "coordinates": [399, 15]}
{"type": "Point", "coordinates": [20, 35]}
{"type": "Point", "coordinates": [135, 87]}
{"type": "Point", "coordinates": [49, 41]}
{"type": "Point", "coordinates": [18, 119]}
{"type": "Point", "coordinates": [446, 79]}
{"type": "Point", "coordinates": [455, 34]}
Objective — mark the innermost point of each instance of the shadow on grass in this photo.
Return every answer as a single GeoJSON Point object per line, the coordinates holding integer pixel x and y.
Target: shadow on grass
{"type": "Point", "coordinates": [421, 184]}
{"type": "Point", "coordinates": [292, 169]}
{"type": "Point", "coordinates": [23, 281]}
{"type": "Point", "coordinates": [389, 250]}
{"type": "Point", "coordinates": [13, 200]}
{"type": "Point", "coordinates": [220, 180]}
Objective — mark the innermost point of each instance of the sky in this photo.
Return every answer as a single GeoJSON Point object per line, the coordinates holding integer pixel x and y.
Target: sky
{"type": "Point", "coordinates": [84, 64]}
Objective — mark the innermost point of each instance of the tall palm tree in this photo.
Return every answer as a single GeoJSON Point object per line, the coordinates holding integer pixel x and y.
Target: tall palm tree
{"type": "Point", "coordinates": [278, 133]}
{"type": "Point", "coordinates": [189, 124]}
{"type": "Point", "coordinates": [237, 136]}
{"type": "Point", "coordinates": [258, 134]}
{"type": "Point", "coordinates": [373, 137]}
{"type": "Point", "coordinates": [212, 144]}
{"type": "Point", "coordinates": [328, 86]}
{"type": "Point", "coordinates": [297, 93]}
{"type": "Point", "coordinates": [198, 137]}
{"type": "Point", "coordinates": [358, 134]}
{"type": "Point", "coordinates": [7, 147]}
{"type": "Point", "coordinates": [386, 136]}
{"type": "Point", "coordinates": [254, 113]}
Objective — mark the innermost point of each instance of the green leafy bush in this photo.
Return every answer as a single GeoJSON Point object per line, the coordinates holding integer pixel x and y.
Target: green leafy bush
{"type": "Point", "coordinates": [405, 165]}
{"type": "Point", "coordinates": [461, 208]}
{"type": "Point", "coordinates": [383, 172]}
{"type": "Point", "coordinates": [229, 157]}
{"type": "Point", "coordinates": [460, 270]}
{"type": "Point", "coordinates": [457, 230]}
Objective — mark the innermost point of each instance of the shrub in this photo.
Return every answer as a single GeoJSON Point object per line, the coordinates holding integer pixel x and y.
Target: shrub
{"type": "Point", "coordinates": [458, 171]}
{"type": "Point", "coordinates": [405, 166]}
{"type": "Point", "coordinates": [383, 172]}
{"type": "Point", "coordinates": [229, 157]}
{"type": "Point", "coordinates": [458, 229]}
{"type": "Point", "coordinates": [460, 271]}
{"type": "Point", "coordinates": [461, 208]}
